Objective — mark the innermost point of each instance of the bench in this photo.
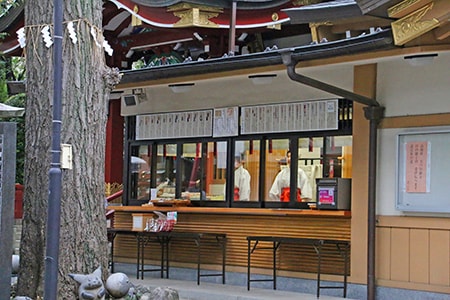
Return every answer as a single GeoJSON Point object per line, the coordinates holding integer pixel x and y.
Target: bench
{"type": "Point", "coordinates": [342, 246]}
{"type": "Point", "coordinates": [164, 239]}
{"type": "Point", "coordinates": [112, 233]}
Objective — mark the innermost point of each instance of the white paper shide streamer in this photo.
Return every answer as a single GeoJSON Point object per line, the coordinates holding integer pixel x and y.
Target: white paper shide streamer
{"type": "Point", "coordinates": [98, 37]}
{"type": "Point", "coordinates": [21, 37]}
{"type": "Point", "coordinates": [72, 33]}
{"type": "Point", "coordinates": [46, 36]}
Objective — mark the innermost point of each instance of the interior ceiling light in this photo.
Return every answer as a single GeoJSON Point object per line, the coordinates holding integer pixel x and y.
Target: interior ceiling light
{"type": "Point", "coordinates": [420, 59]}
{"type": "Point", "coordinates": [181, 87]}
{"type": "Point", "coordinates": [260, 79]}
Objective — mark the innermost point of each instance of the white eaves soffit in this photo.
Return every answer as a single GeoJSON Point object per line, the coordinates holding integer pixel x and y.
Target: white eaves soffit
{"type": "Point", "coordinates": [239, 90]}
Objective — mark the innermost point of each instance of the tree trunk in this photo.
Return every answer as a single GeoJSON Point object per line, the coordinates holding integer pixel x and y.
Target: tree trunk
{"type": "Point", "coordinates": [83, 239]}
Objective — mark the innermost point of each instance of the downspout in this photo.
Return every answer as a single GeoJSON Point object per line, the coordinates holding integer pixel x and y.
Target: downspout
{"type": "Point", "coordinates": [374, 113]}
{"type": "Point", "coordinates": [55, 174]}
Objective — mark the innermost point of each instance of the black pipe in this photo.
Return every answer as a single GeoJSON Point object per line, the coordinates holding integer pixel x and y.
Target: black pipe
{"type": "Point", "coordinates": [290, 64]}
{"type": "Point", "coordinates": [374, 115]}
{"type": "Point", "coordinates": [54, 199]}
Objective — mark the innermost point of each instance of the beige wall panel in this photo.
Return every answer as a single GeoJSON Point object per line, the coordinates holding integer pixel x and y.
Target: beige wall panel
{"type": "Point", "coordinates": [400, 254]}
{"type": "Point", "coordinates": [383, 254]}
{"type": "Point", "coordinates": [364, 83]}
{"type": "Point", "coordinates": [419, 270]}
{"type": "Point", "coordinates": [440, 257]}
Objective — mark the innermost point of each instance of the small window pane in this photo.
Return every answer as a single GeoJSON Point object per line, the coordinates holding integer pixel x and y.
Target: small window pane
{"type": "Point", "coordinates": [310, 163]}
{"type": "Point", "coordinates": [140, 162]}
{"type": "Point", "coordinates": [165, 171]}
{"type": "Point", "coordinates": [246, 170]}
{"type": "Point", "coordinates": [275, 164]}
{"type": "Point", "coordinates": [338, 158]}
{"type": "Point", "coordinates": [216, 171]}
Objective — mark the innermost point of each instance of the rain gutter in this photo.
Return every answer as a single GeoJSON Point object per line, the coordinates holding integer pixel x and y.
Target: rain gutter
{"type": "Point", "coordinates": [370, 42]}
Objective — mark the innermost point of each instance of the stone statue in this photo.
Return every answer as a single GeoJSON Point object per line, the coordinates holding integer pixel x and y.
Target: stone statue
{"type": "Point", "coordinates": [118, 285]}
{"type": "Point", "coordinates": [91, 285]}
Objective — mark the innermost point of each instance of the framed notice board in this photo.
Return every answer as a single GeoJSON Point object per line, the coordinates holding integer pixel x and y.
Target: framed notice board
{"type": "Point", "coordinates": [423, 170]}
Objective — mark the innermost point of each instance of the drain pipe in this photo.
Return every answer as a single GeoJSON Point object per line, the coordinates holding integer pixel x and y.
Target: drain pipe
{"type": "Point", "coordinates": [374, 113]}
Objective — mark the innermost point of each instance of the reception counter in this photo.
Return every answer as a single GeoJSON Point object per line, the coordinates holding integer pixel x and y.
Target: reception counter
{"type": "Point", "coordinates": [238, 224]}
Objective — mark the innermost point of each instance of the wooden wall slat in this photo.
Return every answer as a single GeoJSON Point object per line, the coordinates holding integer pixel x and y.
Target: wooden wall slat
{"type": "Point", "coordinates": [383, 253]}
{"type": "Point", "coordinates": [400, 254]}
{"type": "Point", "coordinates": [410, 252]}
{"type": "Point", "coordinates": [293, 258]}
{"type": "Point", "coordinates": [419, 270]}
{"type": "Point", "coordinates": [440, 257]}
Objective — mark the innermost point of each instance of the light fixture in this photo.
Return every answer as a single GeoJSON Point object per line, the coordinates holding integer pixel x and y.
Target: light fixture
{"type": "Point", "coordinates": [261, 79]}
{"type": "Point", "coordinates": [137, 91]}
{"type": "Point", "coordinates": [177, 46]}
{"type": "Point", "coordinates": [242, 37]}
{"type": "Point", "coordinates": [129, 53]}
{"type": "Point", "coordinates": [130, 100]}
{"type": "Point", "coordinates": [198, 36]}
{"type": "Point", "coordinates": [420, 59]}
{"type": "Point", "coordinates": [181, 87]}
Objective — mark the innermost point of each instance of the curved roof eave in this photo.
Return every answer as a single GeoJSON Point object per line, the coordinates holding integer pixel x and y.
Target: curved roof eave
{"type": "Point", "coordinates": [160, 18]}
{"type": "Point", "coordinates": [10, 16]}
{"type": "Point", "coordinates": [242, 4]}
{"type": "Point", "coordinates": [371, 42]}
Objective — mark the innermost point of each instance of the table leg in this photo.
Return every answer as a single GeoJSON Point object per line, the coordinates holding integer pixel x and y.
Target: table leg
{"type": "Point", "coordinates": [345, 269]}
{"type": "Point", "coordinates": [248, 265]}
{"type": "Point", "coordinates": [274, 265]}
{"type": "Point", "coordinates": [319, 263]}
{"type": "Point", "coordinates": [224, 253]}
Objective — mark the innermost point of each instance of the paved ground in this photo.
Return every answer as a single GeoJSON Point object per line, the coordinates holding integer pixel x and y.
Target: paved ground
{"type": "Point", "coordinates": [189, 290]}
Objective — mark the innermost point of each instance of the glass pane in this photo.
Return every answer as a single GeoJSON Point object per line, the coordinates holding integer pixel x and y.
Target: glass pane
{"type": "Point", "coordinates": [140, 162]}
{"type": "Point", "coordinates": [216, 171]}
{"type": "Point", "coordinates": [165, 171]}
{"type": "Point", "coordinates": [192, 185]}
{"type": "Point", "coordinates": [246, 170]}
{"type": "Point", "coordinates": [276, 169]}
{"type": "Point", "coordinates": [338, 158]}
{"type": "Point", "coordinates": [310, 163]}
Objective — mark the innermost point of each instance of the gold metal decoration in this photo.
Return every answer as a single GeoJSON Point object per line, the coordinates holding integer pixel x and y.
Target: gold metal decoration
{"type": "Point", "coordinates": [194, 15]}
{"type": "Point", "coordinates": [275, 17]}
{"type": "Point", "coordinates": [112, 188]}
{"type": "Point", "coordinates": [406, 7]}
{"type": "Point", "coordinates": [314, 26]}
{"type": "Point", "coordinates": [135, 21]}
{"type": "Point", "coordinates": [305, 2]}
{"type": "Point", "coordinates": [413, 26]}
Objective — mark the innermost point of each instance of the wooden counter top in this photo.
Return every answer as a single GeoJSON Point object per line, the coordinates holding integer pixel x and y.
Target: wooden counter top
{"type": "Point", "coordinates": [237, 211]}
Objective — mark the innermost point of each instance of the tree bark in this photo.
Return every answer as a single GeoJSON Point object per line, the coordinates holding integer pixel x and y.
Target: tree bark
{"type": "Point", "coordinates": [83, 238]}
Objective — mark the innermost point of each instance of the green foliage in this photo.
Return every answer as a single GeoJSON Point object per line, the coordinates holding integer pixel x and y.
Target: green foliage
{"type": "Point", "coordinates": [6, 4]}
{"type": "Point", "coordinates": [18, 101]}
{"type": "Point", "coordinates": [3, 87]}
{"type": "Point", "coordinates": [12, 69]}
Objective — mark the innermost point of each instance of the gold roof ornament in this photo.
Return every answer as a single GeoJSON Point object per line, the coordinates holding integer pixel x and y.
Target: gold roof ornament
{"type": "Point", "coordinates": [305, 2]}
{"type": "Point", "coordinates": [275, 17]}
{"type": "Point", "coordinates": [413, 25]}
{"type": "Point", "coordinates": [194, 15]}
{"type": "Point", "coordinates": [135, 21]}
